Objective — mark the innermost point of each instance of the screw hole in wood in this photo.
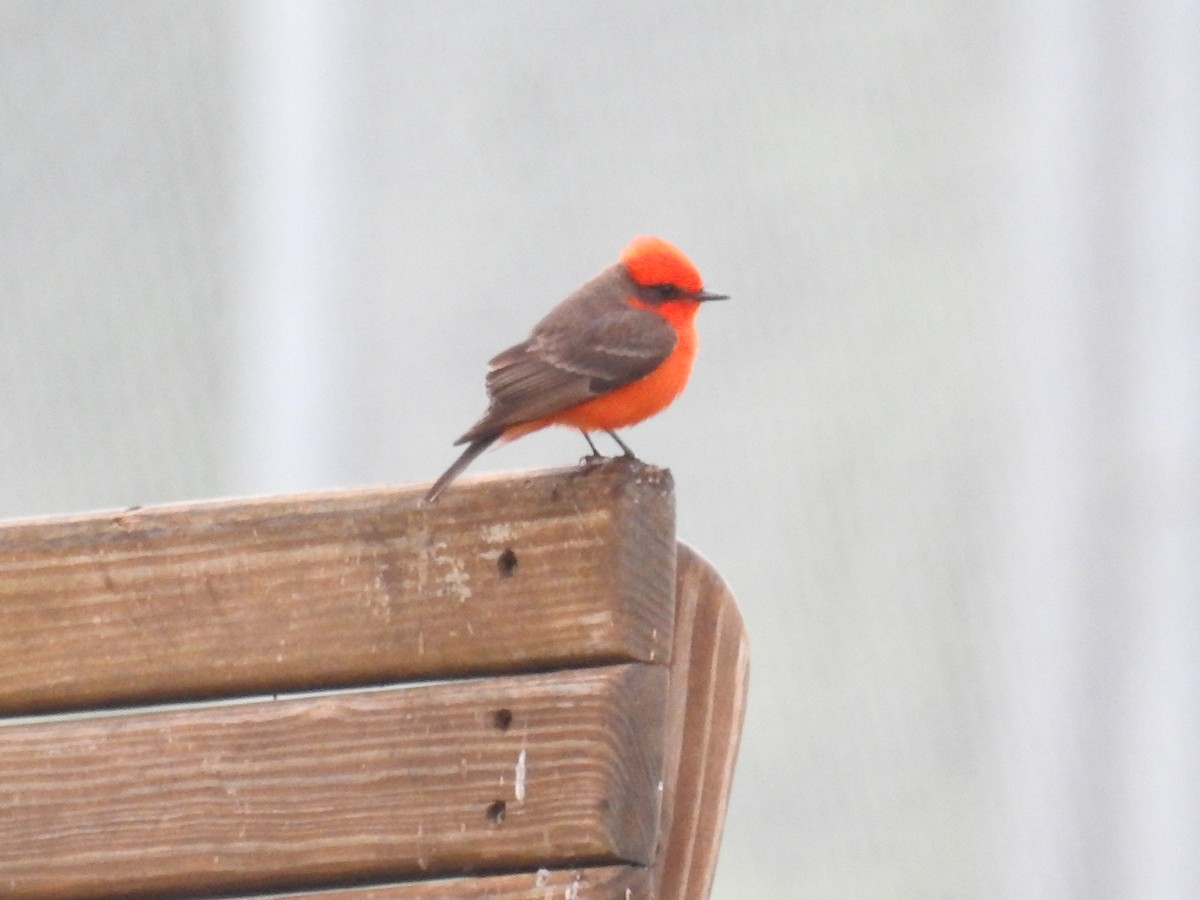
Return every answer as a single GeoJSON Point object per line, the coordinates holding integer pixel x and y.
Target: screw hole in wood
{"type": "Point", "coordinates": [495, 811]}
{"type": "Point", "coordinates": [507, 564]}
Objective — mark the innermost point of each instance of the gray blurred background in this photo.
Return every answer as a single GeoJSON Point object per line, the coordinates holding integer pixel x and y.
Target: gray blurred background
{"type": "Point", "coordinates": [944, 443]}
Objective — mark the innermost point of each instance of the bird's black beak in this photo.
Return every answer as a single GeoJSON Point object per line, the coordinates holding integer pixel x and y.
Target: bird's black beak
{"type": "Point", "coordinates": [709, 295]}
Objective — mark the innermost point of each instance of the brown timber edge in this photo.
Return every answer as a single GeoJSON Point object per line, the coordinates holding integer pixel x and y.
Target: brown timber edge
{"type": "Point", "coordinates": [336, 590]}
{"type": "Point", "coordinates": [574, 758]}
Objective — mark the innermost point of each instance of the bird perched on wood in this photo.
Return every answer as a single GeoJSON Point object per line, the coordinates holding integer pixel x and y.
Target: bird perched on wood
{"type": "Point", "coordinates": [615, 352]}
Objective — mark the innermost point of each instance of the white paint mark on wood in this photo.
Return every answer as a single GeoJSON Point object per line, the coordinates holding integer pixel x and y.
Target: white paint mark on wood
{"type": "Point", "coordinates": [498, 533]}
{"type": "Point", "coordinates": [519, 776]}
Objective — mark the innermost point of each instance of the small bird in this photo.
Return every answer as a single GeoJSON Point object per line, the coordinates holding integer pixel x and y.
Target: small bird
{"type": "Point", "coordinates": [616, 351]}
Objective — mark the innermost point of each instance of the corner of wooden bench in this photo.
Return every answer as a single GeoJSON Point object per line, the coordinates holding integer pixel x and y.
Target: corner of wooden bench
{"type": "Point", "coordinates": [525, 686]}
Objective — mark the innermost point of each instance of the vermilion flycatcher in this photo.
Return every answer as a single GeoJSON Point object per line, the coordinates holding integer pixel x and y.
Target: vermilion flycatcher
{"type": "Point", "coordinates": [615, 352]}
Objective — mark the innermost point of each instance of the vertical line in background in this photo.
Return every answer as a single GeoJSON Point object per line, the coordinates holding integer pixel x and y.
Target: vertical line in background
{"type": "Point", "coordinates": [1102, 643]}
{"type": "Point", "coordinates": [300, 233]}
{"type": "Point", "coordinates": [1043, 707]}
{"type": "Point", "coordinates": [1161, 733]}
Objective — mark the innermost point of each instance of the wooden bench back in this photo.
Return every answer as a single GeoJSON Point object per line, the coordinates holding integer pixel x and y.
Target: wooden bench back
{"type": "Point", "coordinates": [524, 688]}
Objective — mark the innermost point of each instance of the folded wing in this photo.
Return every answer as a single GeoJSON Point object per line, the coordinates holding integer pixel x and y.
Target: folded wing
{"type": "Point", "coordinates": [593, 342]}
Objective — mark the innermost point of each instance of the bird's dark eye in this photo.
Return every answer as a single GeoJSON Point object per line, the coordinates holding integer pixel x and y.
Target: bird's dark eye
{"type": "Point", "coordinates": [665, 291]}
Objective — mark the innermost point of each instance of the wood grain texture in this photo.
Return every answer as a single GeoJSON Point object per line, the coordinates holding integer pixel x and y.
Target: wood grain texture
{"type": "Point", "coordinates": [502, 574]}
{"type": "Point", "coordinates": [706, 706]}
{"type": "Point", "coordinates": [498, 774]}
{"type": "Point", "coordinates": [604, 883]}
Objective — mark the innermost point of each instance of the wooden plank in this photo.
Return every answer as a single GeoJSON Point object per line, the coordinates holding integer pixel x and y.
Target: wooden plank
{"type": "Point", "coordinates": [499, 774]}
{"type": "Point", "coordinates": [605, 883]}
{"type": "Point", "coordinates": [706, 706]}
{"type": "Point", "coordinates": [337, 589]}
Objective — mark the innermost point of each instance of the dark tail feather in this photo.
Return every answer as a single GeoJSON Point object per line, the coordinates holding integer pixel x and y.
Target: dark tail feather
{"type": "Point", "coordinates": [468, 456]}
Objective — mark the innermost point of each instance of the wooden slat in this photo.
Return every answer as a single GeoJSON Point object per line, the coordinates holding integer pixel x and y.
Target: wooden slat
{"type": "Point", "coordinates": [299, 793]}
{"type": "Point", "coordinates": [606, 883]}
{"type": "Point", "coordinates": [707, 701]}
{"type": "Point", "coordinates": [336, 589]}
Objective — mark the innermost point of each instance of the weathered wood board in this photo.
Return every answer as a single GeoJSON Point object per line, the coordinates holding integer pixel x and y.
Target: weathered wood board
{"type": "Point", "coordinates": [512, 693]}
{"type": "Point", "coordinates": [336, 589]}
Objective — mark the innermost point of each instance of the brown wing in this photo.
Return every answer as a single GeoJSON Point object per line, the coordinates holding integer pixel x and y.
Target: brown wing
{"type": "Point", "coordinates": [591, 343]}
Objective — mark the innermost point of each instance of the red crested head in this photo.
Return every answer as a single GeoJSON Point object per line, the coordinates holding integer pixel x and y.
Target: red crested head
{"type": "Point", "coordinates": [653, 261]}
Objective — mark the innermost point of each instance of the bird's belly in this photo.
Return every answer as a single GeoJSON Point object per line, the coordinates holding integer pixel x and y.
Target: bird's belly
{"type": "Point", "coordinates": [638, 400]}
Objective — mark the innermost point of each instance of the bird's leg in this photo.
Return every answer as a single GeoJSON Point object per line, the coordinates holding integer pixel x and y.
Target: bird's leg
{"type": "Point", "coordinates": [612, 434]}
{"type": "Point", "coordinates": [595, 456]}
